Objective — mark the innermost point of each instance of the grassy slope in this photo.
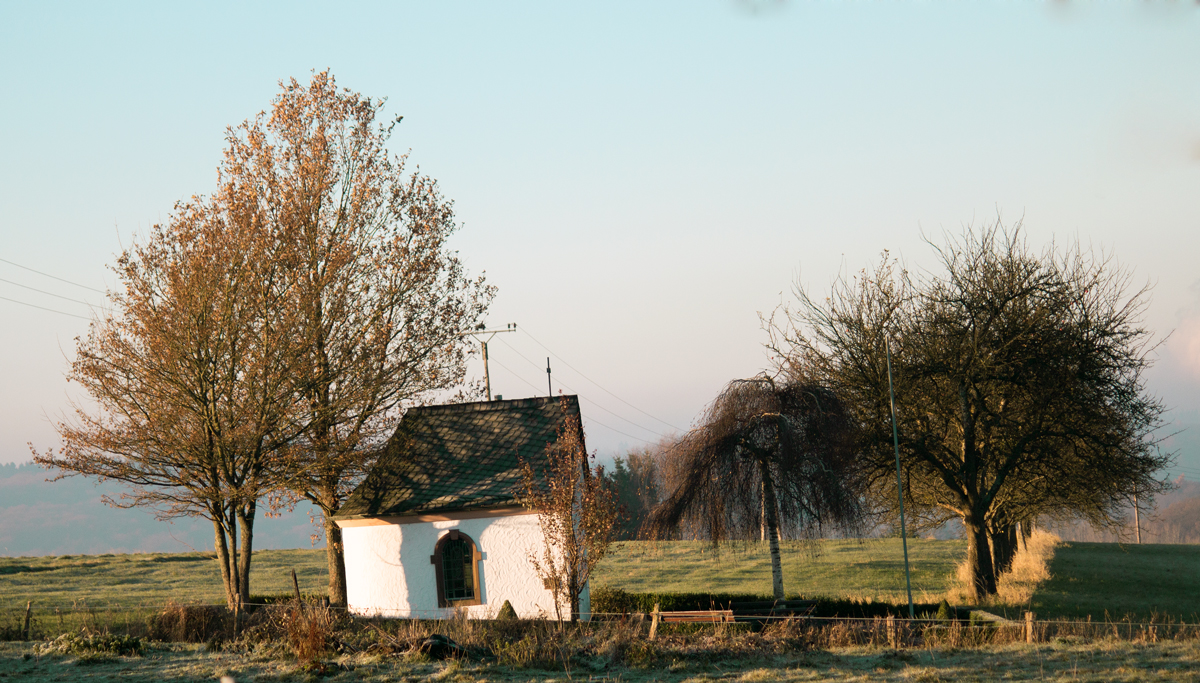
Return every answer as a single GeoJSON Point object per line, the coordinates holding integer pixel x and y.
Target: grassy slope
{"type": "Point", "coordinates": [853, 568]}
{"type": "Point", "coordinates": [1138, 580]}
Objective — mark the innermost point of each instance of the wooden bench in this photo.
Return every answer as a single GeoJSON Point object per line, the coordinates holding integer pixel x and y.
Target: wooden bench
{"type": "Point", "coordinates": [707, 616]}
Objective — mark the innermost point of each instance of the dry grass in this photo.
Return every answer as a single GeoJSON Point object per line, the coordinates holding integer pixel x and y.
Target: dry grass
{"type": "Point", "coordinates": [1030, 568]}
{"type": "Point", "coordinates": [1107, 660]}
{"type": "Point", "coordinates": [309, 628]}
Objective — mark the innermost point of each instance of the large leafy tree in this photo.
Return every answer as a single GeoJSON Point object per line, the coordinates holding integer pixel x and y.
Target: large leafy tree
{"type": "Point", "coordinates": [381, 302]}
{"type": "Point", "coordinates": [767, 454]}
{"type": "Point", "coordinates": [266, 338]}
{"type": "Point", "coordinates": [188, 378]}
{"type": "Point", "coordinates": [1018, 381]}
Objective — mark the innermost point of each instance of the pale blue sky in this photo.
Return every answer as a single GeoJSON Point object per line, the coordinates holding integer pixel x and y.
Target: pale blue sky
{"type": "Point", "coordinates": [639, 179]}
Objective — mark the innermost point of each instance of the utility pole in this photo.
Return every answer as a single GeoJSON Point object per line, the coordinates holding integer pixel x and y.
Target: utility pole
{"type": "Point", "coordinates": [1137, 522]}
{"type": "Point", "coordinates": [899, 483]}
{"type": "Point", "coordinates": [549, 388]}
{"type": "Point", "coordinates": [487, 380]}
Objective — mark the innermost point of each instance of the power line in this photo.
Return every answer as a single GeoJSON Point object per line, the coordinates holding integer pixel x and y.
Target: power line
{"type": "Point", "coordinates": [589, 419]}
{"type": "Point", "coordinates": [53, 277]}
{"type": "Point", "coordinates": [619, 417]}
{"type": "Point", "coordinates": [45, 309]}
{"type": "Point", "coordinates": [598, 384]}
{"type": "Point", "coordinates": [41, 291]}
{"type": "Point", "coordinates": [614, 429]}
{"type": "Point", "coordinates": [510, 371]}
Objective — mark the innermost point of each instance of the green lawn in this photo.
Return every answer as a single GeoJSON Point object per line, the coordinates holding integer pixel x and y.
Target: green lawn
{"type": "Point", "coordinates": [872, 568]}
{"type": "Point", "coordinates": [1122, 580]}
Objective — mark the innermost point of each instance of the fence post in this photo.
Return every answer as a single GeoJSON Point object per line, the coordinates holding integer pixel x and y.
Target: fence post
{"type": "Point", "coordinates": [28, 619]}
{"type": "Point", "coordinates": [296, 585]}
{"type": "Point", "coordinates": [654, 622]}
{"type": "Point", "coordinates": [1029, 627]}
{"type": "Point", "coordinates": [891, 630]}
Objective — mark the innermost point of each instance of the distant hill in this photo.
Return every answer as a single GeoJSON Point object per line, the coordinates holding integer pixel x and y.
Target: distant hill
{"type": "Point", "coordinates": [66, 517]}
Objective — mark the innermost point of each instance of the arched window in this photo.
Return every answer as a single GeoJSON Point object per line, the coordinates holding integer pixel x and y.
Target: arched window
{"type": "Point", "coordinates": [456, 563]}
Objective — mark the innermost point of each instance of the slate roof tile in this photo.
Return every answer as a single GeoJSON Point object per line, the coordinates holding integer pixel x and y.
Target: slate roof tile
{"type": "Point", "coordinates": [459, 457]}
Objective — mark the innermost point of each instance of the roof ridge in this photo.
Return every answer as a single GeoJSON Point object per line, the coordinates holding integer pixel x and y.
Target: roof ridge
{"type": "Point", "coordinates": [485, 406]}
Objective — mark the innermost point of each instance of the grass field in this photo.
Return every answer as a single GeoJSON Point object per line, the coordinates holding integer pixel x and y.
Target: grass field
{"type": "Point", "coordinates": [869, 568]}
{"type": "Point", "coordinates": [1140, 580]}
{"type": "Point", "coordinates": [103, 581]}
{"type": "Point", "coordinates": [1087, 578]}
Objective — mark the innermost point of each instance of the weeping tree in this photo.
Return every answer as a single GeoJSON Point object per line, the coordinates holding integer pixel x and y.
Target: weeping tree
{"type": "Point", "coordinates": [767, 455]}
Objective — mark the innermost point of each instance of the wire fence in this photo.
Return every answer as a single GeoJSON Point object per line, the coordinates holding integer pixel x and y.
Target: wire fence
{"type": "Point", "coordinates": [177, 622]}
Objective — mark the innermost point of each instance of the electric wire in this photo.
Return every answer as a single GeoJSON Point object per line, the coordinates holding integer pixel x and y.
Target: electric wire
{"type": "Point", "coordinates": [598, 384]}
{"type": "Point", "coordinates": [582, 397]}
{"type": "Point", "coordinates": [42, 291]}
{"type": "Point", "coordinates": [23, 303]}
{"type": "Point", "coordinates": [619, 417]}
{"type": "Point", "coordinates": [589, 419]}
{"type": "Point", "coordinates": [53, 277]}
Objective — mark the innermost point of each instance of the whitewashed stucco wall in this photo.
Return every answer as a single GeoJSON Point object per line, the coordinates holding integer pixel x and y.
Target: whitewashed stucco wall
{"type": "Point", "coordinates": [388, 571]}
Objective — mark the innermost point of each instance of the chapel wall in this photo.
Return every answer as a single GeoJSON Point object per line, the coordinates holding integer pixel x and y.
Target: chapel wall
{"type": "Point", "coordinates": [389, 573]}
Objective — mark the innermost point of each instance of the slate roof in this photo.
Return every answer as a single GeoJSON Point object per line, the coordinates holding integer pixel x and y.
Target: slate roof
{"type": "Point", "coordinates": [459, 457]}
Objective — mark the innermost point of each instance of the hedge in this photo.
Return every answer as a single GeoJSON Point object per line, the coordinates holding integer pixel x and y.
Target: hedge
{"type": "Point", "coordinates": [607, 600]}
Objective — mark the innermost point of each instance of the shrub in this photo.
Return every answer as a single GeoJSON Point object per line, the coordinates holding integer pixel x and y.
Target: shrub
{"type": "Point", "coordinates": [506, 613]}
{"type": "Point", "coordinates": [608, 600]}
{"type": "Point", "coordinates": [188, 623]}
{"type": "Point", "coordinates": [90, 645]}
{"type": "Point", "coordinates": [309, 628]}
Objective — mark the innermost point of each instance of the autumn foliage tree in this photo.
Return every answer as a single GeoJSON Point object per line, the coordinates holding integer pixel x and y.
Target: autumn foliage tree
{"type": "Point", "coordinates": [1018, 381]}
{"type": "Point", "coordinates": [266, 338]}
{"type": "Point", "coordinates": [577, 512]}
{"type": "Point", "coordinates": [188, 379]}
{"type": "Point", "coordinates": [380, 300]}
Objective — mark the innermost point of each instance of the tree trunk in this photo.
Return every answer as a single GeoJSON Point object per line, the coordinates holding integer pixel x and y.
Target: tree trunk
{"type": "Point", "coordinates": [982, 581]}
{"type": "Point", "coordinates": [221, 545]}
{"type": "Point", "coordinates": [1026, 532]}
{"type": "Point", "coordinates": [772, 519]}
{"type": "Point", "coordinates": [1004, 548]}
{"type": "Point", "coordinates": [235, 575]}
{"type": "Point", "coordinates": [573, 592]}
{"type": "Point", "coordinates": [335, 556]}
{"type": "Point", "coordinates": [246, 523]}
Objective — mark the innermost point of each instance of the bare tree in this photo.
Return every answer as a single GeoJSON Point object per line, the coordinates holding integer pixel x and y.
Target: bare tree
{"type": "Point", "coordinates": [381, 301]}
{"type": "Point", "coordinates": [1018, 380]}
{"type": "Point", "coordinates": [766, 454]}
{"type": "Point", "coordinates": [577, 513]}
{"type": "Point", "coordinates": [189, 377]}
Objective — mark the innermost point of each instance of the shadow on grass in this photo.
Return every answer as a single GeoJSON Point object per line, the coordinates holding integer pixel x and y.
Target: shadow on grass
{"type": "Point", "coordinates": [1113, 582]}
